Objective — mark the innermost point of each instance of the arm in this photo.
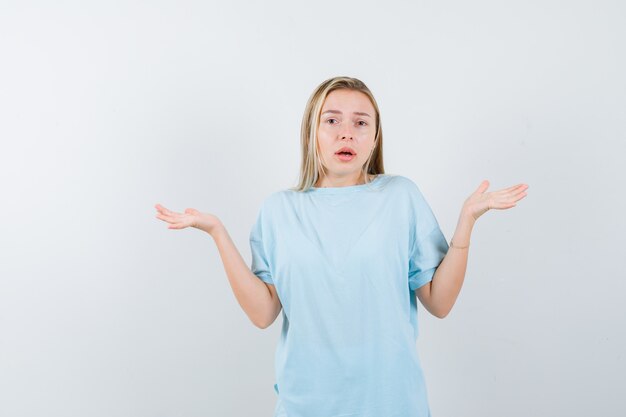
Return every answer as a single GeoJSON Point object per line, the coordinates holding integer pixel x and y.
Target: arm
{"type": "Point", "coordinates": [257, 298]}
{"type": "Point", "coordinates": [439, 295]}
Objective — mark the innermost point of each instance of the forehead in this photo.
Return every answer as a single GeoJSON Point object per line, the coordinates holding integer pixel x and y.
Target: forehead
{"type": "Point", "coordinates": [348, 101]}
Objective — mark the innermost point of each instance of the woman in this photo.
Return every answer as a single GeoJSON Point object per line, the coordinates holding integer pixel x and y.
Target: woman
{"type": "Point", "coordinates": [344, 255]}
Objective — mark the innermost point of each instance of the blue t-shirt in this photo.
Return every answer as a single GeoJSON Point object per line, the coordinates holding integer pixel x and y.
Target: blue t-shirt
{"type": "Point", "coordinates": [345, 262]}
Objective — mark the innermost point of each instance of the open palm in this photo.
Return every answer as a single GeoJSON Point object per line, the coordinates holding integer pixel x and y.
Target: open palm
{"type": "Point", "coordinates": [190, 218]}
{"type": "Point", "coordinates": [177, 220]}
{"type": "Point", "coordinates": [480, 201]}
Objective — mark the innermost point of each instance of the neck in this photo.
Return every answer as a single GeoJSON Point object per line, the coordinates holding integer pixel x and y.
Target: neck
{"type": "Point", "coordinates": [325, 182]}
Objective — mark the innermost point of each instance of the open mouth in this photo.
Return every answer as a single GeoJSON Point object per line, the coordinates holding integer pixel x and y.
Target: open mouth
{"type": "Point", "coordinates": [346, 154]}
{"type": "Point", "coordinates": [346, 151]}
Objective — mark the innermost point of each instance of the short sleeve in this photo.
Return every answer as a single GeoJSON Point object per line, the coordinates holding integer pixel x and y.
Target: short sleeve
{"type": "Point", "coordinates": [259, 239]}
{"type": "Point", "coordinates": [428, 244]}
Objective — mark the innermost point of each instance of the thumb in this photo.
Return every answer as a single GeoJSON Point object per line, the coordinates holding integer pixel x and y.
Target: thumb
{"type": "Point", "coordinates": [482, 187]}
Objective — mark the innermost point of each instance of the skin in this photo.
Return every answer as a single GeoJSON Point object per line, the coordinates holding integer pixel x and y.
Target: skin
{"type": "Point", "coordinates": [339, 126]}
{"type": "Point", "coordinates": [439, 295]}
{"type": "Point", "coordinates": [342, 127]}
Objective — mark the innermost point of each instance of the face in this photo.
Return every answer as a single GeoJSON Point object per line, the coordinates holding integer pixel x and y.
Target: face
{"type": "Point", "coordinates": [347, 120]}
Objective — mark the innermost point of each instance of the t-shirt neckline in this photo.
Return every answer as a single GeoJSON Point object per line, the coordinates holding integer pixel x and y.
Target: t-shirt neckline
{"type": "Point", "coordinates": [346, 189]}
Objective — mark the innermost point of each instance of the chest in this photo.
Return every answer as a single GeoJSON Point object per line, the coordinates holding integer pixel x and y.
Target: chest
{"type": "Point", "coordinates": [341, 241]}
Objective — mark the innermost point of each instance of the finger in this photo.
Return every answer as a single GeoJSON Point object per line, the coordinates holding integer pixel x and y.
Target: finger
{"type": "Point", "coordinates": [168, 219]}
{"type": "Point", "coordinates": [482, 187]}
{"type": "Point", "coordinates": [521, 195]}
{"type": "Point", "coordinates": [513, 191]}
{"type": "Point", "coordinates": [520, 188]}
{"type": "Point", "coordinates": [172, 214]}
{"type": "Point", "coordinates": [511, 197]}
{"type": "Point", "coordinates": [160, 208]}
{"type": "Point", "coordinates": [508, 201]}
{"type": "Point", "coordinates": [517, 195]}
{"type": "Point", "coordinates": [166, 211]}
{"type": "Point", "coordinates": [503, 205]}
{"type": "Point", "coordinates": [513, 188]}
{"type": "Point", "coordinates": [161, 217]}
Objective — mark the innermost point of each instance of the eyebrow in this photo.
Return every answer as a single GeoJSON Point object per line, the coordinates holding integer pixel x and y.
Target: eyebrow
{"type": "Point", "coordinates": [360, 113]}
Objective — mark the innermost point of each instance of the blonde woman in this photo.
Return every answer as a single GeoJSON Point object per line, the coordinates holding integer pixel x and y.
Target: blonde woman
{"type": "Point", "coordinates": [344, 255]}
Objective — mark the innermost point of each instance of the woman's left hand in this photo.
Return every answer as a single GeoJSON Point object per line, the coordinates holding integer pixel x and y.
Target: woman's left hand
{"type": "Point", "coordinates": [480, 201]}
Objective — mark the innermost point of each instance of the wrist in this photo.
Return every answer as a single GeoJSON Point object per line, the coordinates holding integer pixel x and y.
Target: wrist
{"type": "Point", "coordinates": [466, 217]}
{"type": "Point", "coordinates": [454, 245]}
{"type": "Point", "coordinates": [215, 230]}
{"type": "Point", "coordinates": [463, 232]}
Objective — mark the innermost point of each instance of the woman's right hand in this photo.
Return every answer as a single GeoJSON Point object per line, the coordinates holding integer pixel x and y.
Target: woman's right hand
{"type": "Point", "coordinates": [190, 218]}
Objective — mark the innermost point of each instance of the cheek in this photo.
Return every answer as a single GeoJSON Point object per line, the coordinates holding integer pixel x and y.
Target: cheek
{"type": "Point", "coordinates": [324, 141]}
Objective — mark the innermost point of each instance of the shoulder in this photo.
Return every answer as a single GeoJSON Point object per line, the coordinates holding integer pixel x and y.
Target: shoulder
{"type": "Point", "coordinates": [272, 199]}
{"type": "Point", "coordinates": [266, 215]}
{"type": "Point", "coordinates": [403, 187]}
{"type": "Point", "coordinates": [412, 197]}
{"type": "Point", "coordinates": [274, 204]}
{"type": "Point", "coordinates": [276, 200]}
{"type": "Point", "coordinates": [405, 183]}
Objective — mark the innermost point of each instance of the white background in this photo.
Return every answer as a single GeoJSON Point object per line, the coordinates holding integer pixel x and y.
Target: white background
{"type": "Point", "coordinates": [107, 108]}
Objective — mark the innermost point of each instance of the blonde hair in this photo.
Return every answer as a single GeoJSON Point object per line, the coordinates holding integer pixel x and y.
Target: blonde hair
{"type": "Point", "coordinates": [311, 164]}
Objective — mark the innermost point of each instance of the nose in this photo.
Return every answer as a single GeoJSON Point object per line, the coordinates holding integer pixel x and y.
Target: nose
{"type": "Point", "coordinates": [346, 132]}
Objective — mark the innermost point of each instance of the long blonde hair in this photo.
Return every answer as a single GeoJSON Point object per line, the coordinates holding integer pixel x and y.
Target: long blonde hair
{"type": "Point", "coordinates": [311, 164]}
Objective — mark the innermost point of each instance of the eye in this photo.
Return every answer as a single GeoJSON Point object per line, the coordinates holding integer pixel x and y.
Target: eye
{"type": "Point", "coordinates": [330, 120]}
{"type": "Point", "coordinates": [363, 121]}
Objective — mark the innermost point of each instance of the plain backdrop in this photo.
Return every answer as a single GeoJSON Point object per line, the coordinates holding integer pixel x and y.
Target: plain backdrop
{"type": "Point", "coordinates": [107, 108]}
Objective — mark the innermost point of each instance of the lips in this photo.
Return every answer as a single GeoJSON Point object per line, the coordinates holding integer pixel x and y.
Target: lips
{"type": "Point", "coordinates": [346, 149]}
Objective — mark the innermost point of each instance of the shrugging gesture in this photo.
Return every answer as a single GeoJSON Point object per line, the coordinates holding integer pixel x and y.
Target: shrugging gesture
{"type": "Point", "coordinates": [440, 295]}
